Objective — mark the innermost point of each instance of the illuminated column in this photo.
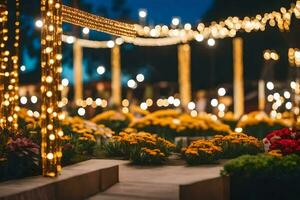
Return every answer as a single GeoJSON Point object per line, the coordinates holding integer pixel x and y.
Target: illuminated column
{"type": "Point", "coordinates": [261, 95]}
{"type": "Point", "coordinates": [296, 107]}
{"type": "Point", "coordinates": [184, 73]}
{"type": "Point", "coordinates": [78, 86]}
{"type": "Point", "coordinates": [238, 77]}
{"type": "Point", "coordinates": [51, 87]}
{"type": "Point", "coordinates": [116, 75]}
{"type": "Point", "coordinates": [9, 67]}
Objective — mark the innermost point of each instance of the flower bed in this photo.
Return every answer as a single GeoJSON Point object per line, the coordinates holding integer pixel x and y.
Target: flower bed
{"type": "Point", "coordinates": [236, 144]}
{"type": "Point", "coordinates": [20, 152]}
{"type": "Point", "coordinates": [170, 124]}
{"type": "Point", "coordinates": [258, 124]}
{"type": "Point", "coordinates": [139, 147]}
{"type": "Point", "coordinates": [116, 121]}
{"type": "Point", "coordinates": [80, 139]}
{"type": "Point", "coordinates": [284, 141]}
{"type": "Point", "coordinates": [201, 152]}
{"type": "Point", "coordinates": [229, 146]}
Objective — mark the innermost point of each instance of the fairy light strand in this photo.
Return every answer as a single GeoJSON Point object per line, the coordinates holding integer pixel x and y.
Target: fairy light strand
{"type": "Point", "coordinates": [51, 87]}
{"type": "Point", "coordinates": [9, 68]}
{"type": "Point", "coordinates": [84, 19]}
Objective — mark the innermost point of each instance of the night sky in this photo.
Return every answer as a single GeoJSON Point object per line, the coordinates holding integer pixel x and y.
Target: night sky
{"type": "Point", "coordinates": [162, 11]}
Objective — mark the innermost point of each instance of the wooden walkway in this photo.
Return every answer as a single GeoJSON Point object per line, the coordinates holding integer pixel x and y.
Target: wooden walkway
{"type": "Point", "coordinates": [170, 182]}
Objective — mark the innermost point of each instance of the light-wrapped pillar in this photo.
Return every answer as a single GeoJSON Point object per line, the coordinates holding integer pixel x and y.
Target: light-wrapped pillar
{"type": "Point", "coordinates": [9, 67]}
{"type": "Point", "coordinates": [51, 87]}
{"type": "Point", "coordinates": [116, 75]}
{"type": "Point", "coordinates": [238, 74]}
{"type": "Point", "coordinates": [184, 73]}
{"type": "Point", "coordinates": [261, 95]}
{"type": "Point", "coordinates": [78, 85]}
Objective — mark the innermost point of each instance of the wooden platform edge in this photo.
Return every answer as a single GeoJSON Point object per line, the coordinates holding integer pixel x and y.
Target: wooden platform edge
{"type": "Point", "coordinates": [213, 189]}
{"type": "Point", "coordinates": [75, 187]}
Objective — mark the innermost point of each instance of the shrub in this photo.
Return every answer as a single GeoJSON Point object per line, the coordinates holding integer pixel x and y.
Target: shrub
{"type": "Point", "coordinates": [170, 124]}
{"type": "Point", "coordinates": [139, 147]}
{"type": "Point", "coordinates": [201, 152]}
{"type": "Point", "coordinates": [116, 121]}
{"type": "Point", "coordinates": [258, 124]}
{"type": "Point", "coordinates": [263, 176]}
{"type": "Point", "coordinates": [237, 144]}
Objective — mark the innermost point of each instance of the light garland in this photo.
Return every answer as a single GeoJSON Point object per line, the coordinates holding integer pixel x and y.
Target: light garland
{"type": "Point", "coordinates": [51, 87]}
{"type": "Point", "coordinates": [226, 28]}
{"type": "Point", "coordinates": [9, 69]}
{"type": "Point", "coordinates": [86, 43]}
{"type": "Point", "coordinates": [80, 18]}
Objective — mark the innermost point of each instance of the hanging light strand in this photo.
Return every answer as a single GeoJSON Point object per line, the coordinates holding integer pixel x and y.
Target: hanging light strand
{"type": "Point", "coordinates": [228, 27]}
{"type": "Point", "coordinates": [84, 19]}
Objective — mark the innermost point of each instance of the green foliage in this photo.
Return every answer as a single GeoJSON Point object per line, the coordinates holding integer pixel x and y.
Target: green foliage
{"type": "Point", "coordinates": [263, 177]}
{"type": "Point", "coordinates": [115, 125]}
{"type": "Point", "coordinates": [261, 129]}
{"type": "Point", "coordinates": [263, 165]}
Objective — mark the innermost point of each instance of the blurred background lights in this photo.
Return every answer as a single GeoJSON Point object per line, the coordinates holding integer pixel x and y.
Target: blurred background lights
{"type": "Point", "coordinates": [221, 107]}
{"type": "Point", "coordinates": [142, 13]}
{"type": "Point", "coordinates": [176, 102]}
{"type": "Point", "coordinates": [238, 130]}
{"type": "Point", "coordinates": [199, 37]}
{"type": "Point", "coordinates": [214, 102]}
{"type": "Point", "coordinates": [270, 85]}
{"type": "Point", "coordinates": [33, 99]}
{"type": "Point", "coordinates": [191, 105]}
{"type": "Point", "coordinates": [288, 105]}
{"type": "Point", "coordinates": [81, 111]}
{"type": "Point", "coordinates": [38, 23]}
{"type": "Point", "coordinates": [100, 70]}
{"type": "Point", "coordinates": [110, 44]}
{"type": "Point", "coordinates": [23, 100]}
{"type": "Point", "coordinates": [85, 30]}
{"type": "Point", "coordinates": [171, 99]}
{"type": "Point", "coordinates": [23, 68]}
{"type": "Point", "coordinates": [175, 21]}
{"type": "Point", "coordinates": [211, 42]}
{"type": "Point", "coordinates": [70, 39]}
{"type": "Point", "coordinates": [221, 92]}
{"type": "Point", "coordinates": [65, 82]}
{"type": "Point", "coordinates": [144, 106]}
{"type": "Point", "coordinates": [131, 84]}
{"type": "Point", "coordinates": [140, 77]}
{"type": "Point", "coordinates": [287, 94]}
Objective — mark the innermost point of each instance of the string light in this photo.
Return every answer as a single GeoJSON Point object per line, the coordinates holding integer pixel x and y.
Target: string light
{"type": "Point", "coordinates": [228, 27]}
{"type": "Point", "coordinates": [51, 86]}
{"type": "Point", "coordinates": [9, 61]}
{"type": "Point", "coordinates": [80, 18]}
